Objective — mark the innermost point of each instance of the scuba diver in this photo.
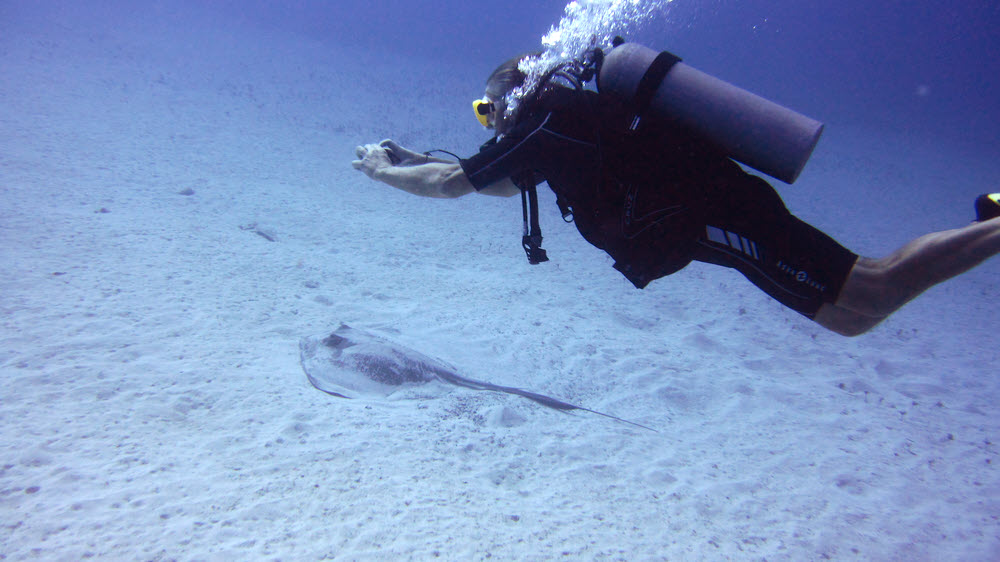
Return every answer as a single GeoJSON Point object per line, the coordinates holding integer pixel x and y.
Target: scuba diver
{"type": "Point", "coordinates": [657, 193]}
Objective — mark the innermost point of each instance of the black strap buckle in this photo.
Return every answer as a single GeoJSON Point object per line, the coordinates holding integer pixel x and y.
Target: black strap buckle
{"type": "Point", "coordinates": [533, 248]}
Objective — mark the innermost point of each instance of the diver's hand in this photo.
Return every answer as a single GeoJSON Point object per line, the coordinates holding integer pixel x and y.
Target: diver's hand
{"type": "Point", "coordinates": [372, 158]}
{"type": "Point", "coordinates": [403, 156]}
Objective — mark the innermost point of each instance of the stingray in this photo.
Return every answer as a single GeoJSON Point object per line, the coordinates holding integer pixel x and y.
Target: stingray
{"type": "Point", "coordinates": [353, 363]}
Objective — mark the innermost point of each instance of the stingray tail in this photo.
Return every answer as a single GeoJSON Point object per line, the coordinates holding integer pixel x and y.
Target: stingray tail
{"type": "Point", "coordinates": [542, 399]}
{"type": "Point", "coordinates": [566, 406]}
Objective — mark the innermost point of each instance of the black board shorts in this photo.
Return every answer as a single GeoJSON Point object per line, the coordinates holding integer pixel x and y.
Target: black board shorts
{"type": "Point", "coordinates": [793, 262]}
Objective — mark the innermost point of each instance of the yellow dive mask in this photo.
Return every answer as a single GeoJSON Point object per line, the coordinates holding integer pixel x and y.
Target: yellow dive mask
{"type": "Point", "coordinates": [483, 108]}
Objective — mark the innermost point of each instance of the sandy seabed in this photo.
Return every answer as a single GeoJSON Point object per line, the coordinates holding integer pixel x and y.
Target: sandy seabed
{"type": "Point", "coordinates": [176, 215]}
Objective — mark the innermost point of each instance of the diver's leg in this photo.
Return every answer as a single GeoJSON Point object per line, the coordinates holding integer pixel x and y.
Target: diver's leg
{"type": "Point", "coordinates": [845, 322]}
{"type": "Point", "coordinates": [876, 288]}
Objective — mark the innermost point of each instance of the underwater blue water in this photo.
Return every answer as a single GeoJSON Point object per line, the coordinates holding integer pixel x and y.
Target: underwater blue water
{"type": "Point", "coordinates": [178, 208]}
{"type": "Point", "coordinates": [917, 65]}
{"type": "Point", "coordinates": [910, 65]}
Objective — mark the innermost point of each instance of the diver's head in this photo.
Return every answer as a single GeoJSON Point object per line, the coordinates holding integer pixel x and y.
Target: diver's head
{"type": "Point", "coordinates": [491, 111]}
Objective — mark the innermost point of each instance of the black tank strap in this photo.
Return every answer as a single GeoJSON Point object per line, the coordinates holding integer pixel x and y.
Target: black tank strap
{"type": "Point", "coordinates": [649, 83]}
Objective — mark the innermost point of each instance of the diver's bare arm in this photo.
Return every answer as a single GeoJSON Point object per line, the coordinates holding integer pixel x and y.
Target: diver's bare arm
{"type": "Point", "coordinates": [417, 174]}
{"type": "Point", "coordinates": [435, 179]}
{"type": "Point", "coordinates": [443, 180]}
{"type": "Point", "coordinates": [502, 188]}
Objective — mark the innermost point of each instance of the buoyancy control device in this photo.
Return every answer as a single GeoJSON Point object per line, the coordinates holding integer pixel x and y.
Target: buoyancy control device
{"type": "Point", "coordinates": [658, 87]}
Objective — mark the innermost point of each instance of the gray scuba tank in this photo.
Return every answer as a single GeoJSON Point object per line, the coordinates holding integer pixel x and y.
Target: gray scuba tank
{"type": "Point", "coordinates": [748, 128]}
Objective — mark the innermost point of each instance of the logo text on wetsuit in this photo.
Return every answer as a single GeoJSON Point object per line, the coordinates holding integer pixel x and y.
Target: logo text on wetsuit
{"type": "Point", "coordinates": [801, 276]}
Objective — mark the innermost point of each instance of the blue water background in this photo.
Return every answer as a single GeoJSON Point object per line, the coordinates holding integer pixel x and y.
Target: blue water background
{"type": "Point", "coordinates": [145, 145]}
{"type": "Point", "coordinates": [912, 66]}
{"type": "Point", "coordinates": [852, 60]}
{"type": "Point", "coordinates": [921, 66]}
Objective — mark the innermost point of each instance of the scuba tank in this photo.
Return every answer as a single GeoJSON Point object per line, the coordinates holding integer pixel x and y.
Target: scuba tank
{"type": "Point", "coordinates": [747, 128]}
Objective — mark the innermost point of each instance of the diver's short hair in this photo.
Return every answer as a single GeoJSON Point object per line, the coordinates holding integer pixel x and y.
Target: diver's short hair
{"type": "Point", "coordinates": [507, 76]}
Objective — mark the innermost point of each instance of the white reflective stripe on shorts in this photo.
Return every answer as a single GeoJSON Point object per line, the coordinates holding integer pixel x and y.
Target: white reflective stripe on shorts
{"type": "Point", "coordinates": [733, 240]}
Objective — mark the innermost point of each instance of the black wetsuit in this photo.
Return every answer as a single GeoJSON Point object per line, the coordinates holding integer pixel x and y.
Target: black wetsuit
{"type": "Point", "coordinates": [657, 198]}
